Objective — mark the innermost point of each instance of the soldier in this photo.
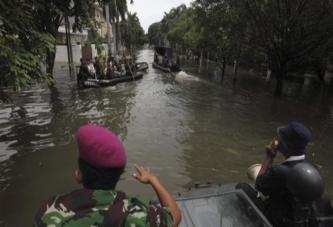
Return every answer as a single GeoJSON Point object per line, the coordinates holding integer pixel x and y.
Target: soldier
{"type": "Point", "coordinates": [102, 160]}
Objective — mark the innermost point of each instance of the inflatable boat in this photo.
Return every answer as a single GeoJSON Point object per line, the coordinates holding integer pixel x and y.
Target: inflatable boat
{"type": "Point", "coordinates": [141, 66]}
{"type": "Point", "coordinates": [165, 52]}
{"type": "Point", "coordinates": [95, 83]}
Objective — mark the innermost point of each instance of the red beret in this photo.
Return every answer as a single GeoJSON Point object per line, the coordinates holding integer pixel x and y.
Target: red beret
{"type": "Point", "coordinates": [100, 148]}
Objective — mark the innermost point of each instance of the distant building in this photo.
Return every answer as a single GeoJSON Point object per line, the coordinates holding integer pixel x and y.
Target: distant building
{"type": "Point", "coordinates": [78, 39]}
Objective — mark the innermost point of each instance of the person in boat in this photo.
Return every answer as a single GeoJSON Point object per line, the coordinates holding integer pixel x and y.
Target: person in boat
{"type": "Point", "coordinates": [134, 57]}
{"type": "Point", "coordinates": [159, 59]}
{"type": "Point", "coordinates": [130, 67]}
{"type": "Point", "coordinates": [121, 68]}
{"type": "Point", "coordinates": [279, 203]}
{"type": "Point", "coordinates": [123, 58]}
{"type": "Point", "coordinates": [83, 72]}
{"type": "Point", "coordinates": [166, 62]}
{"type": "Point", "coordinates": [97, 67]}
{"type": "Point", "coordinates": [117, 57]}
{"type": "Point", "coordinates": [108, 71]}
{"type": "Point", "coordinates": [110, 57]}
{"type": "Point", "coordinates": [155, 57]}
{"type": "Point", "coordinates": [101, 162]}
{"type": "Point", "coordinates": [114, 65]}
{"type": "Point", "coordinates": [91, 69]}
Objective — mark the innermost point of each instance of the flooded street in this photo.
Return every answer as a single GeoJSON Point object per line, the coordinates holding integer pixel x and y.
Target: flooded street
{"type": "Point", "coordinates": [187, 128]}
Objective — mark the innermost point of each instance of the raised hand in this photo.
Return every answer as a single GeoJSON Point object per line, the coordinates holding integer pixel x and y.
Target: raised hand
{"type": "Point", "coordinates": [271, 149]}
{"type": "Point", "coordinates": [144, 176]}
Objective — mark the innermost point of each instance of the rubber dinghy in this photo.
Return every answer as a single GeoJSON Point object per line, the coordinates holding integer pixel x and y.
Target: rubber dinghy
{"type": "Point", "coordinates": [165, 52]}
{"type": "Point", "coordinates": [141, 66]}
{"type": "Point", "coordinates": [95, 83]}
{"type": "Point", "coordinates": [157, 66]}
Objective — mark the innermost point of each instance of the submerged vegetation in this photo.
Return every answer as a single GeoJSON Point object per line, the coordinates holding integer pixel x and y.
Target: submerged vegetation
{"type": "Point", "coordinates": [287, 36]}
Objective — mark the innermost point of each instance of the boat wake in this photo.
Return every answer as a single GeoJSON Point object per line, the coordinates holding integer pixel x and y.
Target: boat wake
{"type": "Point", "coordinates": [184, 76]}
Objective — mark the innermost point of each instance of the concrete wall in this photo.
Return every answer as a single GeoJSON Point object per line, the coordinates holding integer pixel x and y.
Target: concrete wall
{"type": "Point", "coordinates": [62, 56]}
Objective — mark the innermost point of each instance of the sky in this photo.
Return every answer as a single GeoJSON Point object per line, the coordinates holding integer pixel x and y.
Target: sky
{"type": "Point", "coordinates": [151, 11]}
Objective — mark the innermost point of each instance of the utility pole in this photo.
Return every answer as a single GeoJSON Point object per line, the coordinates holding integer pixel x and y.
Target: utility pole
{"type": "Point", "coordinates": [69, 44]}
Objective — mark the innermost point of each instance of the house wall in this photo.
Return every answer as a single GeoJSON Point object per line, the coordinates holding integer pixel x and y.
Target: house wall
{"type": "Point", "coordinates": [61, 38]}
{"type": "Point", "coordinates": [62, 55]}
{"type": "Point", "coordinates": [97, 12]}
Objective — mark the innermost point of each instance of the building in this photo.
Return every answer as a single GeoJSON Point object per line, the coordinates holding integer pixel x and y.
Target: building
{"type": "Point", "coordinates": [79, 39]}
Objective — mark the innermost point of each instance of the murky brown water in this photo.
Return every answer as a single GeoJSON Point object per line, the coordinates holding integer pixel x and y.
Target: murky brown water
{"type": "Point", "coordinates": [186, 128]}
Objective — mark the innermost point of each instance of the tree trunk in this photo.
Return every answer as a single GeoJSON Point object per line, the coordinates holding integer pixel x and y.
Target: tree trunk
{"type": "Point", "coordinates": [117, 35]}
{"type": "Point", "coordinates": [279, 84]}
{"type": "Point", "coordinates": [50, 59]}
{"type": "Point", "coordinates": [223, 67]}
{"type": "Point", "coordinates": [239, 52]}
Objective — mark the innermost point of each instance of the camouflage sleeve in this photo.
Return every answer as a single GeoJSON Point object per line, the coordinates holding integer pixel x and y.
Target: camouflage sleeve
{"type": "Point", "coordinates": [41, 211]}
{"type": "Point", "coordinates": [151, 215]}
{"type": "Point", "coordinates": [160, 216]}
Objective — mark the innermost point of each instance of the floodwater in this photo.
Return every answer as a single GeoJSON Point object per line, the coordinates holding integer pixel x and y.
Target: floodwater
{"type": "Point", "coordinates": [187, 128]}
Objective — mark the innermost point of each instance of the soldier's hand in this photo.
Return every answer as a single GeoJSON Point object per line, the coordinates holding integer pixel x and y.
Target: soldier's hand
{"type": "Point", "coordinates": [271, 149]}
{"type": "Point", "coordinates": [144, 176]}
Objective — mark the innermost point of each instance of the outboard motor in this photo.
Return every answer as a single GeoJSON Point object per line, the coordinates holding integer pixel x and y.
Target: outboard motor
{"type": "Point", "coordinates": [306, 185]}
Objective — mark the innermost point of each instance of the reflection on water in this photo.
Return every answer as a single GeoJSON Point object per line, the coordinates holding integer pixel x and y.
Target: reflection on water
{"type": "Point", "coordinates": [186, 127]}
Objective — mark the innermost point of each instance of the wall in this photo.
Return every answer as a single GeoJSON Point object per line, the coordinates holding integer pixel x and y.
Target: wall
{"type": "Point", "coordinates": [62, 56]}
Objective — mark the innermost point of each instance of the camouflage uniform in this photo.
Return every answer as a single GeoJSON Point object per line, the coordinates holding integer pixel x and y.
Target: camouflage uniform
{"type": "Point", "coordinates": [101, 208]}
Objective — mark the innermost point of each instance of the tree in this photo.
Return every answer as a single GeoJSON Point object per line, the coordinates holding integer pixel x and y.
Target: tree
{"type": "Point", "coordinates": [28, 32]}
{"type": "Point", "coordinates": [183, 33]}
{"type": "Point", "coordinates": [51, 15]}
{"type": "Point", "coordinates": [132, 31]}
{"type": "Point", "coordinates": [23, 47]}
{"type": "Point", "coordinates": [154, 33]}
{"type": "Point", "coordinates": [289, 32]}
{"type": "Point", "coordinates": [118, 8]}
{"type": "Point", "coordinates": [221, 28]}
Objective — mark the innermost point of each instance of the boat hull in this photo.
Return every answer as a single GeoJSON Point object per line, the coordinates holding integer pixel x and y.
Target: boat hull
{"type": "Point", "coordinates": [166, 69]}
{"type": "Point", "coordinates": [141, 66]}
{"type": "Point", "coordinates": [157, 66]}
{"type": "Point", "coordinates": [93, 83]}
{"type": "Point", "coordinates": [213, 205]}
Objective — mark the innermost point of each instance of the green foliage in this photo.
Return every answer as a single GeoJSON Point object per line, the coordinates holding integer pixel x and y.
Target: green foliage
{"type": "Point", "coordinates": [183, 30]}
{"type": "Point", "coordinates": [293, 34]}
{"type": "Point", "coordinates": [23, 47]}
{"type": "Point", "coordinates": [154, 33]}
{"type": "Point", "coordinates": [27, 37]}
{"type": "Point", "coordinates": [288, 35]}
{"type": "Point", "coordinates": [132, 31]}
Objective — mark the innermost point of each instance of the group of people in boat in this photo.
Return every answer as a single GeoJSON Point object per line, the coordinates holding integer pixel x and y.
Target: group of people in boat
{"type": "Point", "coordinates": [107, 68]}
{"type": "Point", "coordinates": [164, 61]}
